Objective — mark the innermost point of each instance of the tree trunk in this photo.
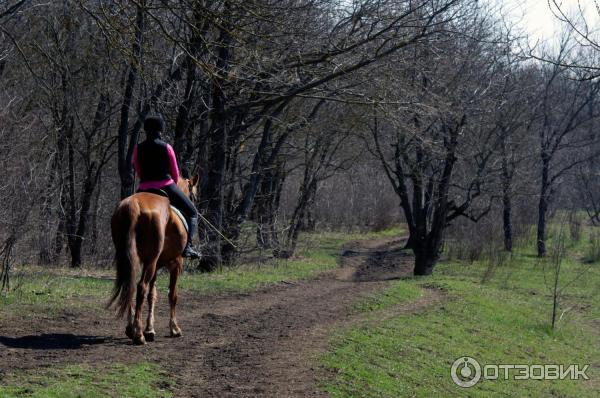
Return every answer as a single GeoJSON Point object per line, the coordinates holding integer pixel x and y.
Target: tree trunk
{"type": "Point", "coordinates": [307, 222]}
{"type": "Point", "coordinates": [218, 157]}
{"type": "Point", "coordinates": [506, 198]}
{"type": "Point", "coordinates": [77, 240]}
{"type": "Point", "coordinates": [507, 221]}
{"type": "Point", "coordinates": [543, 208]}
{"type": "Point", "coordinates": [263, 233]}
{"type": "Point", "coordinates": [214, 193]}
{"type": "Point", "coordinates": [72, 204]}
{"type": "Point", "coordinates": [47, 249]}
{"type": "Point", "coordinates": [266, 206]}
{"type": "Point", "coordinates": [182, 124]}
{"type": "Point", "coordinates": [75, 250]}
{"type": "Point", "coordinates": [309, 188]}
{"type": "Point", "coordinates": [424, 262]}
{"type": "Point", "coordinates": [93, 247]}
{"type": "Point", "coordinates": [410, 242]}
{"type": "Point", "coordinates": [125, 146]}
{"type": "Point", "coordinates": [427, 242]}
{"type": "Point", "coordinates": [541, 227]}
{"type": "Point", "coordinates": [61, 232]}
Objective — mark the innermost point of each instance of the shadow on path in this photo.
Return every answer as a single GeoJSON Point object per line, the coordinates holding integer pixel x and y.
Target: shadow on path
{"type": "Point", "coordinates": [51, 341]}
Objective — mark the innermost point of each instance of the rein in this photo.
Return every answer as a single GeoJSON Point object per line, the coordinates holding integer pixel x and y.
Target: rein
{"type": "Point", "coordinates": [193, 198]}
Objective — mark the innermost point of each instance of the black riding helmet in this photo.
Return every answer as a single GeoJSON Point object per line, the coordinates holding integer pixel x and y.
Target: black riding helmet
{"type": "Point", "coordinates": [154, 125]}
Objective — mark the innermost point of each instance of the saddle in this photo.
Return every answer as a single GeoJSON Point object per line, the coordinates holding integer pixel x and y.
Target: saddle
{"type": "Point", "coordinates": [160, 192]}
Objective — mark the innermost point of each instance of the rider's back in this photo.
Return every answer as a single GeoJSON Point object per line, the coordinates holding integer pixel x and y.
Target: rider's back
{"type": "Point", "coordinates": [154, 162]}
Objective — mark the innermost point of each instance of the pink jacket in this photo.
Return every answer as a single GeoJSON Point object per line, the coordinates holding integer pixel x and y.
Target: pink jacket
{"type": "Point", "coordinates": [158, 184]}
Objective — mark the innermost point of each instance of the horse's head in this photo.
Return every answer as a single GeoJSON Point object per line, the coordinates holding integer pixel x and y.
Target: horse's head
{"type": "Point", "coordinates": [189, 186]}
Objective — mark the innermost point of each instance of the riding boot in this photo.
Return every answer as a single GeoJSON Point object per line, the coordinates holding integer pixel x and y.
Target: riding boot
{"type": "Point", "coordinates": [189, 250]}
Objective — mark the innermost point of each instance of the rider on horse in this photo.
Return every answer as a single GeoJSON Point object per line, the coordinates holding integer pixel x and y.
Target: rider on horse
{"type": "Point", "coordinates": [156, 166]}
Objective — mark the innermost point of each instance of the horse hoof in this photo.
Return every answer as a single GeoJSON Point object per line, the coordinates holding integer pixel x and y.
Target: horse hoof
{"type": "Point", "coordinates": [176, 333]}
{"type": "Point", "coordinates": [139, 340]}
{"type": "Point", "coordinates": [149, 336]}
{"type": "Point", "coordinates": [129, 332]}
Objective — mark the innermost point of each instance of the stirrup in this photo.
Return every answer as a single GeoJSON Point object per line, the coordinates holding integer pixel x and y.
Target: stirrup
{"type": "Point", "coordinates": [190, 252]}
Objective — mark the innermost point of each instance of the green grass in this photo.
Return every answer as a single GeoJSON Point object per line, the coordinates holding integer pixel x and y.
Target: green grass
{"type": "Point", "coordinates": [399, 292]}
{"type": "Point", "coordinates": [505, 320]}
{"type": "Point", "coordinates": [36, 290]}
{"type": "Point", "coordinates": [141, 380]}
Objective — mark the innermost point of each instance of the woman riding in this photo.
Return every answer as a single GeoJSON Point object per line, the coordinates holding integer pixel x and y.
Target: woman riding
{"type": "Point", "coordinates": [156, 166]}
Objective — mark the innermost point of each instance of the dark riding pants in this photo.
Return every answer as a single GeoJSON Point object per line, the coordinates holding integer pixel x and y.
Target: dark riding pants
{"type": "Point", "coordinates": [184, 205]}
{"type": "Point", "coordinates": [181, 201]}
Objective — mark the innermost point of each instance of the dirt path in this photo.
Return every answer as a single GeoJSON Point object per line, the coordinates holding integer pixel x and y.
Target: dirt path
{"type": "Point", "coordinates": [243, 345]}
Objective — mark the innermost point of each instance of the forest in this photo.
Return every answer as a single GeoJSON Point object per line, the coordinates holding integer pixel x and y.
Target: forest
{"type": "Point", "coordinates": [300, 118]}
{"type": "Point", "coordinates": [297, 115]}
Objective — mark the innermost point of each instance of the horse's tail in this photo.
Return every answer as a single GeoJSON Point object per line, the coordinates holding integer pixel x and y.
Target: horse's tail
{"type": "Point", "coordinates": [123, 231]}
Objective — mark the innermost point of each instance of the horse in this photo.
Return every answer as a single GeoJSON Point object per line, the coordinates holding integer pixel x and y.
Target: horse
{"type": "Point", "coordinates": [145, 230]}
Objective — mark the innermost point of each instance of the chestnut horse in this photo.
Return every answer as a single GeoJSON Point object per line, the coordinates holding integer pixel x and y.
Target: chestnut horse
{"type": "Point", "coordinates": [146, 232]}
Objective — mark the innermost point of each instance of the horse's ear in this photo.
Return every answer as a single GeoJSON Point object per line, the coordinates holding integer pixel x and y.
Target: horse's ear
{"type": "Point", "coordinates": [195, 179]}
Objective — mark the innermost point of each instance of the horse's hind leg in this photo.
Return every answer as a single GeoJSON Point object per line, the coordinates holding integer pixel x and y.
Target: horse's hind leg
{"type": "Point", "coordinates": [130, 327]}
{"type": "Point", "coordinates": [142, 290]}
{"type": "Point", "coordinates": [175, 270]}
{"type": "Point", "coordinates": [149, 332]}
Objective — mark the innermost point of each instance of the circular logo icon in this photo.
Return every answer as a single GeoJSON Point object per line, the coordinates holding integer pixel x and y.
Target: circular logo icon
{"type": "Point", "coordinates": [466, 372]}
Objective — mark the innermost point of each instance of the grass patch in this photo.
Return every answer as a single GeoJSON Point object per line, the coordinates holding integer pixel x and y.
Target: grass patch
{"type": "Point", "coordinates": [399, 292]}
{"type": "Point", "coordinates": [143, 380]}
{"type": "Point", "coordinates": [40, 290]}
{"type": "Point", "coordinates": [505, 320]}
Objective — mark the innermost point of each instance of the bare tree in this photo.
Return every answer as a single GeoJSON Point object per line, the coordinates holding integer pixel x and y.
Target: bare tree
{"type": "Point", "coordinates": [438, 155]}
{"type": "Point", "coordinates": [566, 106]}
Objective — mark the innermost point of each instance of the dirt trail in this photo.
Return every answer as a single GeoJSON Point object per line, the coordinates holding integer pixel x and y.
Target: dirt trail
{"type": "Point", "coordinates": [242, 345]}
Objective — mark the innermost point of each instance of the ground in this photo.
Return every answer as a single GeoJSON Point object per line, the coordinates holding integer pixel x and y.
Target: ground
{"type": "Point", "coordinates": [358, 325]}
{"type": "Point", "coordinates": [247, 344]}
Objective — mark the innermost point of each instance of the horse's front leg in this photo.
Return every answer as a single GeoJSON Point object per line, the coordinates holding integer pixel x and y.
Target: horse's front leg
{"type": "Point", "coordinates": [175, 270]}
{"type": "Point", "coordinates": [149, 332]}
